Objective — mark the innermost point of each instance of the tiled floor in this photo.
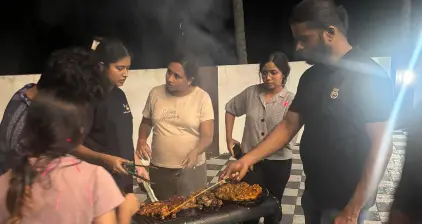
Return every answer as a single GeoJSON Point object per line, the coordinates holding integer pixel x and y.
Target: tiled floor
{"type": "Point", "coordinates": [292, 210]}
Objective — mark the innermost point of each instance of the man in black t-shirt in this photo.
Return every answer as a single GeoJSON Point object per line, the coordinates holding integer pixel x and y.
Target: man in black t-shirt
{"type": "Point", "coordinates": [344, 101]}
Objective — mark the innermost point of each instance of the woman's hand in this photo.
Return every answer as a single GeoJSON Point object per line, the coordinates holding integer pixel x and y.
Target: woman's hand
{"type": "Point", "coordinates": [143, 150]}
{"type": "Point", "coordinates": [230, 143]}
{"type": "Point", "coordinates": [191, 160]}
{"type": "Point", "coordinates": [143, 173]}
{"type": "Point", "coordinates": [115, 164]}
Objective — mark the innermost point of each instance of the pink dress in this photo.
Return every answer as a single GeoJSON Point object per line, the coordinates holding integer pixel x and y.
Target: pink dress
{"type": "Point", "coordinates": [69, 191]}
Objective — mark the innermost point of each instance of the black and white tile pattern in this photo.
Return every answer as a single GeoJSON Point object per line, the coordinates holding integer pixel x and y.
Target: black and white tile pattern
{"type": "Point", "coordinates": [292, 210]}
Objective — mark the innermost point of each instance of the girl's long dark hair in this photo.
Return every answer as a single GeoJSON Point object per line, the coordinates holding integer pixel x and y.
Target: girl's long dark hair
{"type": "Point", "coordinates": [111, 51]}
{"type": "Point", "coordinates": [52, 129]}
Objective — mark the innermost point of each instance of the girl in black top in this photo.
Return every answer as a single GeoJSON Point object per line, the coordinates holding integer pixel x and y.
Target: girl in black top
{"type": "Point", "coordinates": [111, 131]}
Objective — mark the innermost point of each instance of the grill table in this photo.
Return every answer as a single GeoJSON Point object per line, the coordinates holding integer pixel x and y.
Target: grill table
{"type": "Point", "coordinates": [228, 213]}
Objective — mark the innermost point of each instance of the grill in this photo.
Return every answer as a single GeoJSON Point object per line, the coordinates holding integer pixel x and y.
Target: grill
{"type": "Point", "coordinates": [228, 213]}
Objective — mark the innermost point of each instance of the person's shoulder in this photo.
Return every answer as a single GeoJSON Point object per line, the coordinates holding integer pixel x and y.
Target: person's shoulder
{"type": "Point", "coordinates": [198, 91]}
{"type": "Point", "coordinates": [20, 94]}
{"type": "Point", "coordinates": [363, 66]}
{"type": "Point", "coordinates": [253, 88]}
{"type": "Point", "coordinates": [118, 91]}
{"type": "Point", "coordinates": [161, 89]}
{"type": "Point", "coordinates": [80, 166]}
{"type": "Point", "coordinates": [290, 94]}
{"type": "Point", "coordinates": [312, 72]}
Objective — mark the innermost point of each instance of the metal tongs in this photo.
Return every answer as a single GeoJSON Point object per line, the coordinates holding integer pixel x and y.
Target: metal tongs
{"type": "Point", "coordinates": [131, 169]}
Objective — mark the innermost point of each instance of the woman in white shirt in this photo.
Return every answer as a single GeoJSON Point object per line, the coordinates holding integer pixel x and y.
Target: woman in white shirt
{"type": "Point", "coordinates": [181, 116]}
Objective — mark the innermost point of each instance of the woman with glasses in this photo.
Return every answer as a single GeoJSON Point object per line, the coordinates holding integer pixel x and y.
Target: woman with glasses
{"type": "Point", "coordinates": [264, 105]}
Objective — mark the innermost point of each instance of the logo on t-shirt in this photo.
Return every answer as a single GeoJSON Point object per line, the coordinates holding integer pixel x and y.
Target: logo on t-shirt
{"type": "Point", "coordinates": [334, 93]}
{"type": "Point", "coordinates": [126, 108]}
{"type": "Point", "coordinates": [169, 115]}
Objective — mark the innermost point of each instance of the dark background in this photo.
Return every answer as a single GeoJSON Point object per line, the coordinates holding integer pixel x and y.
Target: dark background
{"type": "Point", "coordinates": [151, 28]}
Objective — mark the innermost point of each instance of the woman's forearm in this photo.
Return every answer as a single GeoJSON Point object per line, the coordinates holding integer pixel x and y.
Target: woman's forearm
{"type": "Point", "coordinates": [206, 134]}
{"type": "Point", "coordinates": [229, 120]}
{"type": "Point", "coordinates": [144, 129]}
{"type": "Point", "coordinates": [89, 155]}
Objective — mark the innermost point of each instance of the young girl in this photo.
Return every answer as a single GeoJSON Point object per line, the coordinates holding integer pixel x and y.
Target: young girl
{"type": "Point", "coordinates": [50, 186]}
{"type": "Point", "coordinates": [112, 128]}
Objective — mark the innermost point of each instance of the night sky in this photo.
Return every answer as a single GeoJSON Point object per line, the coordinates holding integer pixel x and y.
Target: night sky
{"type": "Point", "coordinates": [151, 29]}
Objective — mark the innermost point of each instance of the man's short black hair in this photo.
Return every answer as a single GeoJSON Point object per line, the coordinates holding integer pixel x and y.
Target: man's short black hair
{"type": "Point", "coordinates": [73, 74]}
{"type": "Point", "coordinates": [320, 14]}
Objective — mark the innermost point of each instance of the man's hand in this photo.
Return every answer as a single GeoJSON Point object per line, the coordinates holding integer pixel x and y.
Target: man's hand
{"type": "Point", "coordinates": [191, 160]}
{"type": "Point", "coordinates": [143, 150]}
{"type": "Point", "coordinates": [115, 164]}
{"type": "Point", "coordinates": [143, 173]}
{"type": "Point", "coordinates": [230, 143]}
{"type": "Point", "coordinates": [347, 216]}
{"type": "Point", "coordinates": [236, 170]}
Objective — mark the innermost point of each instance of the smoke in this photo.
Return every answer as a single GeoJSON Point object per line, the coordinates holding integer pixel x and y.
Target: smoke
{"type": "Point", "coordinates": [158, 25]}
{"type": "Point", "coordinates": [197, 27]}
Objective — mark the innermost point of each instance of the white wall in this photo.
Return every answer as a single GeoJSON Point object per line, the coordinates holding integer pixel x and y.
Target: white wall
{"type": "Point", "coordinates": [231, 81]}
{"type": "Point", "coordinates": [137, 87]}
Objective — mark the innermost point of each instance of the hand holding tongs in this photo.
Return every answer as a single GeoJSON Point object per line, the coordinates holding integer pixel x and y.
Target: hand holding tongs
{"type": "Point", "coordinates": [130, 167]}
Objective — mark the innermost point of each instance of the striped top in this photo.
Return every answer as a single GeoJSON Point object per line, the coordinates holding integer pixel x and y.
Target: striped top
{"type": "Point", "coordinates": [11, 127]}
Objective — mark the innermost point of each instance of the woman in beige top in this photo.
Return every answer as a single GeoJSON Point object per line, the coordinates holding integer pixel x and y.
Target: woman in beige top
{"type": "Point", "coordinates": [181, 116]}
{"type": "Point", "coordinates": [49, 186]}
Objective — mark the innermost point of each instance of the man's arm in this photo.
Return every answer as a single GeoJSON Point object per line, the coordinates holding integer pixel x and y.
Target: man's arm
{"type": "Point", "coordinates": [381, 149]}
{"type": "Point", "coordinates": [279, 137]}
{"type": "Point", "coordinates": [376, 99]}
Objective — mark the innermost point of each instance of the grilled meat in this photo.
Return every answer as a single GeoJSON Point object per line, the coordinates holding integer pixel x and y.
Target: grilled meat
{"type": "Point", "coordinates": [155, 209]}
{"type": "Point", "coordinates": [162, 209]}
{"type": "Point", "coordinates": [238, 192]}
{"type": "Point", "coordinates": [208, 200]}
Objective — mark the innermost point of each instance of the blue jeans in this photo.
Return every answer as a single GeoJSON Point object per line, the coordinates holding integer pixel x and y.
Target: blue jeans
{"type": "Point", "coordinates": [314, 215]}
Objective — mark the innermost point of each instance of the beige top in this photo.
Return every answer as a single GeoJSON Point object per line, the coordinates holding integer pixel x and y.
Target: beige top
{"type": "Point", "coordinates": [71, 192]}
{"type": "Point", "coordinates": [176, 123]}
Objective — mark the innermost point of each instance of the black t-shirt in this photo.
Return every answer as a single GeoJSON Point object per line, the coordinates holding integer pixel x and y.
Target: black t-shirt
{"type": "Point", "coordinates": [408, 198]}
{"type": "Point", "coordinates": [335, 104]}
{"type": "Point", "coordinates": [112, 127]}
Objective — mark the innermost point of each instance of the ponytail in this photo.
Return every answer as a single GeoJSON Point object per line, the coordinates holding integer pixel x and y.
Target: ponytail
{"type": "Point", "coordinates": [20, 191]}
